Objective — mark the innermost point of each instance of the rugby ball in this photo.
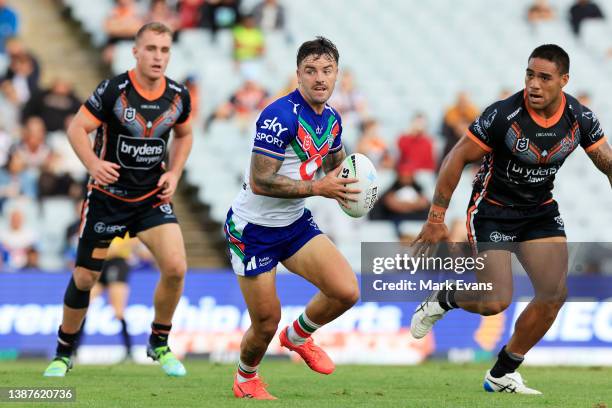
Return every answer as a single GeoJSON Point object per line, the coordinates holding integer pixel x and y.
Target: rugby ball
{"type": "Point", "coordinates": [360, 167]}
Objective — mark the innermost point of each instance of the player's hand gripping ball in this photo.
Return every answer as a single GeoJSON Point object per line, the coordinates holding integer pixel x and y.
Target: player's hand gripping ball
{"type": "Point", "coordinates": [360, 167]}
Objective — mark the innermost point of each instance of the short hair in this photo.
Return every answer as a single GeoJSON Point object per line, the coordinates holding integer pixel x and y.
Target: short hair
{"type": "Point", "coordinates": [555, 54]}
{"type": "Point", "coordinates": [319, 46]}
{"type": "Point", "coordinates": [156, 27]}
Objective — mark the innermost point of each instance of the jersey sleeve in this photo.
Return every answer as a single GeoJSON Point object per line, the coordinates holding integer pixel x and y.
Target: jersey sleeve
{"type": "Point", "coordinates": [99, 104]}
{"type": "Point", "coordinates": [482, 130]}
{"type": "Point", "coordinates": [337, 131]}
{"type": "Point", "coordinates": [591, 132]}
{"type": "Point", "coordinates": [274, 132]}
{"type": "Point", "coordinates": [186, 101]}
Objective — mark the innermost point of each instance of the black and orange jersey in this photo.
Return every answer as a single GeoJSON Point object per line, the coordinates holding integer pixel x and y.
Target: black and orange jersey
{"type": "Point", "coordinates": [134, 129]}
{"type": "Point", "coordinates": [525, 150]}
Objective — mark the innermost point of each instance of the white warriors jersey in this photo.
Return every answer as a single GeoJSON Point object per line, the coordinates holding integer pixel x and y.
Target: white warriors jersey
{"type": "Point", "coordinates": [288, 130]}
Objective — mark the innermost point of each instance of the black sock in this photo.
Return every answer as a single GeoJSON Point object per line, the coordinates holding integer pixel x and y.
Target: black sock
{"type": "Point", "coordinates": [159, 335]}
{"type": "Point", "coordinates": [506, 363]}
{"type": "Point", "coordinates": [78, 337]}
{"type": "Point", "coordinates": [127, 341]}
{"type": "Point", "coordinates": [446, 299]}
{"type": "Point", "coordinates": [65, 343]}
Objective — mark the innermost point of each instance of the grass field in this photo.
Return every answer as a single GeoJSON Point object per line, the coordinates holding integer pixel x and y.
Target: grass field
{"type": "Point", "coordinates": [209, 385]}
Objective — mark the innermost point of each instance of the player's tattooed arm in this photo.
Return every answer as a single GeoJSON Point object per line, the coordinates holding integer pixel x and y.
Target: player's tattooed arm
{"type": "Point", "coordinates": [266, 181]}
{"type": "Point", "coordinates": [333, 160]}
{"type": "Point", "coordinates": [602, 158]}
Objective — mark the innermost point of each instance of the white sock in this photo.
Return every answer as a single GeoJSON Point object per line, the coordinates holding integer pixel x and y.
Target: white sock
{"type": "Point", "coordinates": [245, 372]}
{"type": "Point", "coordinates": [301, 329]}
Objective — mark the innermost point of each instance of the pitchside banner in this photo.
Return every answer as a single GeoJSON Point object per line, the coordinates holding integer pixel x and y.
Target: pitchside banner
{"type": "Point", "coordinates": [212, 317]}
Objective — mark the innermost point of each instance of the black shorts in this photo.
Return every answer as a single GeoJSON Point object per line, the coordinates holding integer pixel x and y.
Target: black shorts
{"type": "Point", "coordinates": [493, 223]}
{"type": "Point", "coordinates": [114, 270]}
{"type": "Point", "coordinates": [105, 217]}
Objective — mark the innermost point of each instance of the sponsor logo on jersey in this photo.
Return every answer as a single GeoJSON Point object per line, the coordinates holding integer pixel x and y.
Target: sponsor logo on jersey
{"type": "Point", "coordinates": [546, 134]}
{"type": "Point", "coordinates": [270, 139]}
{"type": "Point", "coordinates": [129, 114]}
{"type": "Point", "coordinates": [252, 264]}
{"type": "Point", "coordinates": [488, 121]}
{"type": "Point", "coordinates": [176, 88]}
{"type": "Point", "coordinates": [102, 228]}
{"type": "Point", "coordinates": [96, 98]}
{"type": "Point", "coordinates": [150, 106]}
{"type": "Point", "coordinates": [295, 105]}
{"type": "Point", "coordinates": [559, 221]}
{"type": "Point", "coordinates": [589, 115]}
{"type": "Point", "coordinates": [497, 236]}
{"type": "Point", "coordinates": [478, 129]}
{"type": "Point", "coordinates": [140, 153]}
{"type": "Point", "coordinates": [522, 144]}
{"type": "Point", "coordinates": [534, 174]}
{"type": "Point", "coordinates": [513, 114]}
{"type": "Point", "coordinates": [274, 125]}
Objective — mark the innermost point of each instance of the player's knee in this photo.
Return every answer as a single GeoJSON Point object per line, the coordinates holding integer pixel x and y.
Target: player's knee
{"type": "Point", "coordinates": [174, 272]}
{"type": "Point", "coordinates": [348, 296]}
{"type": "Point", "coordinates": [85, 279]}
{"type": "Point", "coordinates": [493, 308]}
{"type": "Point", "coordinates": [79, 288]}
{"type": "Point", "coordinates": [265, 325]}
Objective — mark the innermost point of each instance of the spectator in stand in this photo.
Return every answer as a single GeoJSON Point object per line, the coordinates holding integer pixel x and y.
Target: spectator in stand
{"type": "Point", "coordinates": [32, 148]}
{"type": "Point", "coordinates": [416, 148]}
{"type": "Point", "coordinates": [122, 24]}
{"type": "Point", "coordinates": [348, 100]}
{"type": "Point", "coordinates": [16, 180]}
{"type": "Point", "coordinates": [190, 13]}
{"type": "Point", "coordinates": [242, 106]}
{"type": "Point", "coordinates": [219, 14]}
{"type": "Point", "coordinates": [23, 72]}
{"type": "Point", "coordinates": [373, 145]}
{"type": "Point", "coordinates": [19, 242]}
{"type": "Point", "coordinates": [540, 11]}
{"type": "Point", "coordinates": [403, 201]}
{"type": "Point", "coordinates": [583, 10]}
{"type": "Point", "coordinates": [159, 10]}
{"type": "Point", "coordinates": [249, 46]}
{"type": "Point", "coordinates": [269, 16]}
{"type": "Point", "coordinates": [6, 141]}
{"type": "Point", "coordinates": [53, 105]}
{"type": "Point", "coordinates": [9, 24]}
{"type": "Point", "coordinates": [457, 119]}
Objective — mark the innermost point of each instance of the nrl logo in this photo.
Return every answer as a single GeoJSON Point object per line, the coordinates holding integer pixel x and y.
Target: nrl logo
{"type": "Point", "coordinates": [522, 145]}
{"type": "Point", "coordinates": [307, 142]}
{"type": "Point", "coordinates": [129, 114]}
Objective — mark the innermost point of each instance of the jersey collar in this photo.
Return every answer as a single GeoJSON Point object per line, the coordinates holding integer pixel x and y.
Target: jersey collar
{"type": "Point", "coordinates": [542, 121]}
{"type": "Point", "coordinates": [297, 95]}
{"type": "Point", "coordinates": [148, 95]}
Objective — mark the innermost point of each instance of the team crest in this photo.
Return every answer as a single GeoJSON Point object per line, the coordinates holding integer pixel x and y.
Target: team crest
{"type": "Point", "coordinates": [129, 114]}
{"type": "Point", "coordinates": [166, 209]}
{"type": "Point", "coordinates": [522, 145]}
